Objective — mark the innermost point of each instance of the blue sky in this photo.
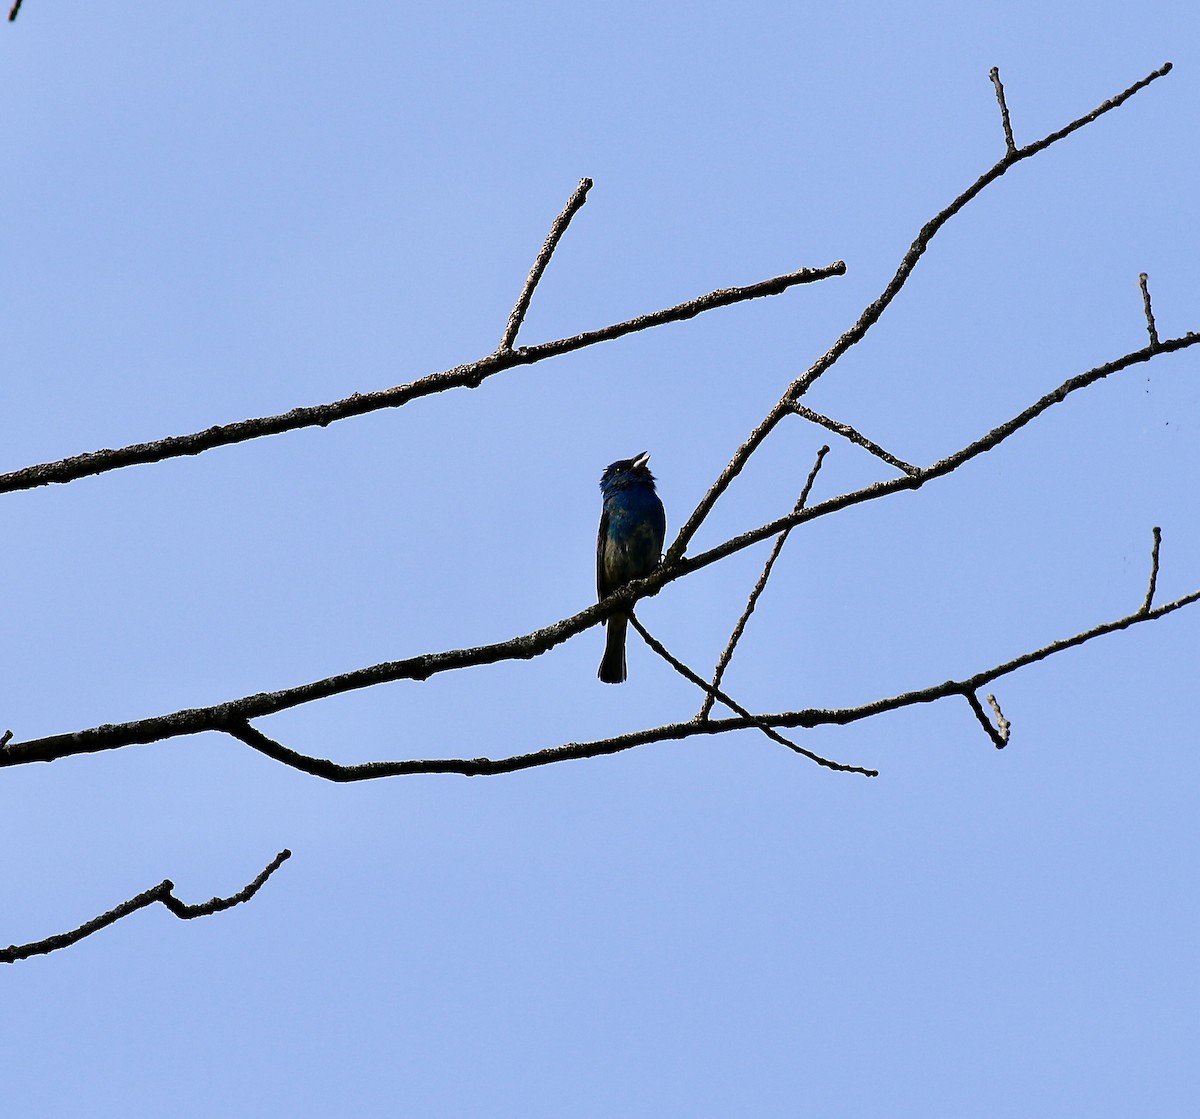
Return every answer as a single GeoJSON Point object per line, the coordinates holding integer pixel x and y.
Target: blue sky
{"type": "Point", "coordinates": [219, 211]}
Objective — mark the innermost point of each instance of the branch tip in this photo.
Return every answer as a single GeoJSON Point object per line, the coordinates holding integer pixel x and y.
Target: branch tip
{"type": "Point", "coordinates": [1148, 602]}
{"type": "Point", "coordinates": [517, 317]}
{"type": "Point", "coordinates": [1003, 726]}
{"type": "Point", "coordinates": [1005, 120]}
{"type": "Point", "coordinates": [998, 733]}
{"type": "Point", "coordinates": [1151, 328]}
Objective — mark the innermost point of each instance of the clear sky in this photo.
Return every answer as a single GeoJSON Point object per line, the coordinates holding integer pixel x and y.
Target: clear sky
{"type": "Point", "coordinates": [216, 211]}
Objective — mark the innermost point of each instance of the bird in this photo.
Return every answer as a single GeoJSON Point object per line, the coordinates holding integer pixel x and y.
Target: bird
{"type": "Point", "coordinates": [633, 524]}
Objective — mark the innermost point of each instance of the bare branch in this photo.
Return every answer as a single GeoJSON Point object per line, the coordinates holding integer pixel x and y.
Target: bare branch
{"type": "Point", "coordinates": [994, 74]}
{"type": "Point", "coordinates": [528, 646]}
{"type": "Point", "coordinates": [462, 376]}
{"type": "Point", "coordinates": [228, 717]}
{"type": "Point", "coordinates": [12, 12]}
{"type": "Point", "coordinates": [759, 587]}
{"type": "Point", "coordinates": [938, 469]}
{"type": "Point", "coordinates": [1157, 533]}
{"type": "Point", "coordinates": [1003, 726]}
{"type": "Point", "coordinates": [164, 892]}
{"type": "Point", "coordinates": [674, 732]}
{"type": "Point", "coordinates": [5, 738]}
{"type": "Point", "coordinates": [998, 739]}
{"type": "Point", "coordinates": [844, 716]}
{"type": "Point", "coordinates": [111, 737]}
{"type": "Point", "coordinates": [713, 691]}
{"type": "Point", "coordinates": [847, 432]}
{"type": "Point", "coordinates": [974, 683]}
{"type": "Point", "coordinates": [466, 767]}
{"type": "Point", "coordinates": [231, 717]}
{"type": "Point", "coordinates": [1150, 327]}
{"type": "Point", "coordinates": [574, 203]}
{"type": "Point", "coordinates": [873, 312]}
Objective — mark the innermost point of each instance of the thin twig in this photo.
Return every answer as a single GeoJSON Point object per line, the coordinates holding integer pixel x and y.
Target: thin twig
{"type": "Point", "coordinates": [574, 203]}
{"type": "Point", "coordinates": [847, 715]}
{"type": "Point", "coordinates": [997, 740]}
{"type": "Point", "coordinates": [713, 690]}
{"type": "Point", "coordinates": [994, 74]}
{"type": "Point", "coordinates": [1003, 726]}
{"type": "Point", "coordinates": [1157, 532]}
{"type": "Point", "coordinates": [871, 315]}
{"type": "Point", "coordinates": [5, 738]}
{"type": "Point", "coordinates": [847, 432]}
{"type": "Point", "coordinates": [759, 587]}
{"type": "Point", "coordinates": [164, 892]}
{"type": "Point", "coordinates": [938, 469]}
{"type": "Point", "coordinates": [463, 376]}
{"type": "Point", "coordinates": [12, 12]}
{"type": "Point", "coordinates": [1150, 326]}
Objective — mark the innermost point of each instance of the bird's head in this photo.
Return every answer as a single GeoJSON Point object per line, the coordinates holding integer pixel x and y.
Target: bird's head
{"type": "Point", "coordinates": [627, 472]}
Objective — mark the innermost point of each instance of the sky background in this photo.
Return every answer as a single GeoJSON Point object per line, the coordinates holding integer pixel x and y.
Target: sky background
{"type": "Point", "coordinates": [217, 211]}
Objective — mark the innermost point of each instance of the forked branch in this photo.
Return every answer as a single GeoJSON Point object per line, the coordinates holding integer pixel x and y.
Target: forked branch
{"type": "Point", "coordinates": [714, 692]}
{"type": "Point", "coordinates": [871, 315]}
{"type": "Point", "coordinates": [164, 892]}
{"type": "Point", "coordinates": [756, 593]}
{"type": "Point", "coordinates": [471, 375]}
{"type": "Point", "coordinates": [221, 717]}
{"type": "Point", "coordinates": [233, 717]}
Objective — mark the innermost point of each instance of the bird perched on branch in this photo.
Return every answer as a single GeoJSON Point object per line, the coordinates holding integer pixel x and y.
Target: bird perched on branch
{"type": "Point", "coordinates": [632, 527]}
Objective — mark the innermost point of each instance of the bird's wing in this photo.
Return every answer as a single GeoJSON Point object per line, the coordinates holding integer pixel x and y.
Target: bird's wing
{"type": "Point", "coordinates": [601, 582]}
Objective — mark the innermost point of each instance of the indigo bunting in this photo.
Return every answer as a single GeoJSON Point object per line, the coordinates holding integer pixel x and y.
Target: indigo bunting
{"type": "Point", "coordinates": [632, 527]}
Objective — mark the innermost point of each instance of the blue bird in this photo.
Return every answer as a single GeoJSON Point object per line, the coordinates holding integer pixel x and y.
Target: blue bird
{"type": "Point", "coordinates": [632, 527]}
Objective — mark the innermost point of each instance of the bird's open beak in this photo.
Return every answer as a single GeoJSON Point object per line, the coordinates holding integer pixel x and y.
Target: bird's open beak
{"type": "Point", "coordinates": [641, 460]}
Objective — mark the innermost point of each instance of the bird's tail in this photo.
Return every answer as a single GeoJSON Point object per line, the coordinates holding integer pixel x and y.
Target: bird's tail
{"type": "Point", "coordinates": [612, 667]}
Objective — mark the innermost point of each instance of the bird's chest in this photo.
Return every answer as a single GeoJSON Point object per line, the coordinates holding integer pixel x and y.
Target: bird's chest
{"type": "Point", "coordinates": [633, 539]}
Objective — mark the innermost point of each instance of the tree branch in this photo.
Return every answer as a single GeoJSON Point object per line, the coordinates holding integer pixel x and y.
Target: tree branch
{"type": "Point", "coordinates": [998, 740]}
{"type": "Point", "coordinates": [1003, 726]}
{"type": "Point", "coordinates": [111, 737]}
{"type": "Point", "coordinates": [574, 203]}
{"type": "Point", "coordinates": [873, 312]}
{"type": "Point", "coordinates": [232, 717]}
{"type": "Point", "coordinates": [673, 732]}
{"type": "Point", "coordinates": [1149, 600]}
{"type": "Point", "coordinates": [164, 892]}
{"type": "Point", "coordinates": [847, 432]}
{"type": "Point", "coordinates": [938, 469]}
{"type": "Point", "coordinates": [1151, 329]}
{"type": "Point", "coordinates": [527, 646]}
{"type": "Point", "coordinates": [759, 587]}
{"type": "Point", "coordinates": [471, 375]}
{"type": "Point", "coordinates": [994, 74]}
{"type": "Point", "coordinates": [714, 692]}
